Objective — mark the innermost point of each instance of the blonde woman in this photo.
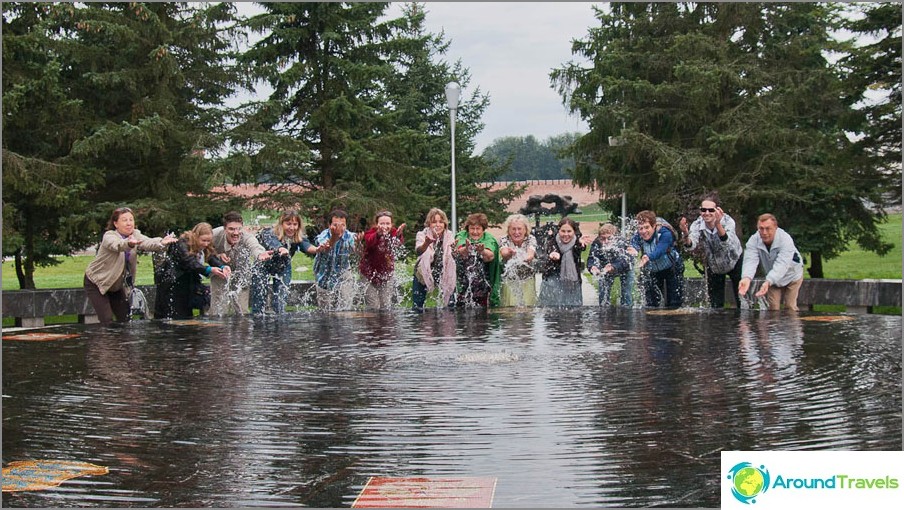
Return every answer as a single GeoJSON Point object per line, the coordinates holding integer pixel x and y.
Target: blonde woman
{"type": "Point", "coordinates": [178, 276]}
{"type": "Point", "coordinates": [518, 248]}
{"type": "Point", "coordinates": [273, 276]}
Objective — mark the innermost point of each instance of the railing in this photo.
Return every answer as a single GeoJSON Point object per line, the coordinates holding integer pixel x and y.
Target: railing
{"type": "Point", "coordinates": [30, 307]}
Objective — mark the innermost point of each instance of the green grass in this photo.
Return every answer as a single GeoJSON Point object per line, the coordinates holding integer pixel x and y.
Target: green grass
{"type": "Point", "coordinates": [854, 264]}
{"type": "Point", "coordinates": [858, 264]}
{"type": "Point", "coordinates": [71, 271]}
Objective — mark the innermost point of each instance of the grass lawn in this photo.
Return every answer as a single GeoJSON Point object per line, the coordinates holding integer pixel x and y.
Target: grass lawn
{"type": "Point", "coordinates": [71, 271]}
{"type": "Point", "coordinates": [858, 264]}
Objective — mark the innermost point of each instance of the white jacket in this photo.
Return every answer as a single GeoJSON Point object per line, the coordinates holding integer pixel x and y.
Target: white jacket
{"type": "Point", "coordinates": [781, 262]}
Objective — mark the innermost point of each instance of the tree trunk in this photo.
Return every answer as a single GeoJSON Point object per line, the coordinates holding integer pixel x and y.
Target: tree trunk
{"type": "Point", "coordinates": [815, 265]}
{"type": "Point", "coordinates": [24, 281]}
{"type": "Point", "coordinates": [28, 261]}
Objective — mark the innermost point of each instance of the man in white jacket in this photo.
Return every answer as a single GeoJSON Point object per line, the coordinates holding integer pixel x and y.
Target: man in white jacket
{"type": "Point", "coordinates": [240, 250]}
{"type": "Point", "coordinates": [773, 249]}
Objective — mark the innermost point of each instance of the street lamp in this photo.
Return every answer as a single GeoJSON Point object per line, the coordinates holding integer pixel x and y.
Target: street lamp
{"type": "Point", "coordinates": [616, 141]}
{"type": "Point", "coordinates": [453, 92]}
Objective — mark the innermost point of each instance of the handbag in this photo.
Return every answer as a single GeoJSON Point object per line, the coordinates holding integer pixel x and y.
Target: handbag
{"type": "Point", "coordinates": [199, 297]}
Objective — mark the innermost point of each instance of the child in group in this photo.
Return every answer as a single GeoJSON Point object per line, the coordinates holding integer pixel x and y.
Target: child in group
{"type": "Point", "coordinates": [435, 268]}
{"type": "Point", "coordinates": [274, 275]}
{"type": "Point", "coordinates": [381, 245]}
{"type": "Point", "coordinates": [178, 275]}
{"type": "Point", "coordinates": [517, 249]}
{"type": "Point", "coordinates": [109, 278]}
{"type": "Point", "coordinates": [609, 259]}
{"type": "Point", "coordinates": [478, 267]}
{"type": "Point", "coordinates": [562, 266]}
{"type": "Point", "coordinates": [656, 243]}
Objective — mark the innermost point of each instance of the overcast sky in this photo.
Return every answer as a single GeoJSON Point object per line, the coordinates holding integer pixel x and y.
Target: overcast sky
{"type": "Point", "coordinates": [510, 49]}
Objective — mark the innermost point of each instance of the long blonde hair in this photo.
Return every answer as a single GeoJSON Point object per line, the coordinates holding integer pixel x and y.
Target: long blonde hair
{"type": "Point", "coordinates": [278, 228]}
{"type": "Point", "coordinates": [192, 238]}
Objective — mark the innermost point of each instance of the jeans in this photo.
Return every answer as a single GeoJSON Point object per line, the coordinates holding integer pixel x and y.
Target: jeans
{"type": "Point", "coordinates": [673, 279]}
{"type": "Point", "coordinates": [627, 288]}
{"type": "Point", "coordinates": [419, 295]}
{"type": "Point", "coordinates": [263, 284]}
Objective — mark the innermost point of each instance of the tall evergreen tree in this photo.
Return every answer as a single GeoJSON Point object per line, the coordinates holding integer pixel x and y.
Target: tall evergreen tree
{"type": "Point", "coordinates": [125, 97]}
{"type": "Point", "coordinates": [738, 98]}
{"type": "Point", "coordinates": [44, 190]}
{"type": "Point", "coordinates": [356, 115]}
{"type": "Point", "coordinates": [873, 75]}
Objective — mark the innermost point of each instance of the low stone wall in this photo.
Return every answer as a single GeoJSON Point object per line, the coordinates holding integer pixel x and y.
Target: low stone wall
{"type": "Point", "coordinates": [857, 296]}
{"type": "Point", "coordinates": [29, 307]}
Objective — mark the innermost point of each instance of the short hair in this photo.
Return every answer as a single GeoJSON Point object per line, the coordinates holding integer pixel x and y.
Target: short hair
{"type": "Point", "coordinates": [114, 217]}
{"type": "Point", "coordinates": [284, 217]}
{"type": "Point", "coordinates": [233, 217]}
{"type": "Point", "coordinates": [434, 212]}
{"type": "Point", "coordinates": [608, 228]}
{"type": "Point", "coordinates": [712, 196]}
{"type": "Point", "coordinates": [477, 218]}
{"type": "Point", "coordinates": [766, 216]}
{"type": "Point", "coordinates": [337, 213]}
{"type": "Point", "coordinates": [381, 213]}
{"type": "Point", "coordinates": [646, 217]}
{"type": "Point", "coordinates": [516, 218]}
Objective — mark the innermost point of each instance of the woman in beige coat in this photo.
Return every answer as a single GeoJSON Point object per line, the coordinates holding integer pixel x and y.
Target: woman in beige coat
{"type": "Point", "coordinates": [109, 277]}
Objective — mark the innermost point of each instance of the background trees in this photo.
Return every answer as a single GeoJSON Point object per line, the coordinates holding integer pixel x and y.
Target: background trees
{"type": "Point", "coordinates": [357, 115]}
{"type": "Point", "coordinates": [107, 104]}
{"type": "Point", "coordinates": [524, 158]}
{"type": "Point", "coordinates": [739, 98]}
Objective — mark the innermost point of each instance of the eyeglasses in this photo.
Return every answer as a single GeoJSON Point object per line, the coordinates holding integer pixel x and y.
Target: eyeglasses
{"type": "Point", "coordinates": [707, 209]}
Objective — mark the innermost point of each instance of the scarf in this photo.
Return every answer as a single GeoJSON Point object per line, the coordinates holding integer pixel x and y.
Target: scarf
{"type": "Point", "coordinates": [567, 269]}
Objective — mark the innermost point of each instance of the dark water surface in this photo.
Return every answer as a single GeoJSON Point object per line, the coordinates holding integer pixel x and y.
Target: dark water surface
{"type": "Point", "coordinates": [565, 407]}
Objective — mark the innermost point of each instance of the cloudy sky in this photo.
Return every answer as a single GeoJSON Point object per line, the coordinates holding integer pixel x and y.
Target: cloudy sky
{"type": "Point", "coordinates": [510, 49]}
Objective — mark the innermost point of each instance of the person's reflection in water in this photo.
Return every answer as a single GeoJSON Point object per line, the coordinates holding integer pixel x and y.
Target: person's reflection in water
{"type": "Point", "coordinates": [771, 349]}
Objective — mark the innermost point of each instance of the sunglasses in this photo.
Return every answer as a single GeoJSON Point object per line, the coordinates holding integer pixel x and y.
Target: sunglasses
{"type": "Point", "coordinates": [707, 209]}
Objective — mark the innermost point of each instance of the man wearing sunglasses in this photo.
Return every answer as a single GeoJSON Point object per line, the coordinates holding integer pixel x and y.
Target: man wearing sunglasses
{"type": "Point", "coordinates": [713, 234]}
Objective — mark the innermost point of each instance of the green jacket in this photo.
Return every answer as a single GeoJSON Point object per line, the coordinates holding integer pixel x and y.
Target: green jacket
{"type": "Point", "coordinates": [494, 267]}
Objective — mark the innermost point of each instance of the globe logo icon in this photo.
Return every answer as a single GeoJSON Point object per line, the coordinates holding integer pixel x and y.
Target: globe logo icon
{"type": "Point", "coordinates": [748, 481]}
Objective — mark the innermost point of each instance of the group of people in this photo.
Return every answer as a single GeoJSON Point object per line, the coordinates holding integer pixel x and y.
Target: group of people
{"type": "Point", "coordinates": [470, 268]}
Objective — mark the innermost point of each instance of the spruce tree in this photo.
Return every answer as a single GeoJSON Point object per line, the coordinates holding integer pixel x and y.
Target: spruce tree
{"type": "Point", "coordinates": [738, 98]}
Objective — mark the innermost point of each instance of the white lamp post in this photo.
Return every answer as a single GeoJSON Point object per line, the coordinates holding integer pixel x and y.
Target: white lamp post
{"type": "Point", "coordinates": [615, 141]}
{"type": "Point", "coordinates": [453, 92]}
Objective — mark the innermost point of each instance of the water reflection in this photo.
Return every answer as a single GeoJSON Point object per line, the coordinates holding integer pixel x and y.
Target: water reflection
{"type": "Point", "coordinates": [567, 407]}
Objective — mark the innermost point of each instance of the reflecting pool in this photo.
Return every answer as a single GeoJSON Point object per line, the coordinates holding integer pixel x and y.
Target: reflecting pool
{"type": "Point", "coordinates": [579, 407]}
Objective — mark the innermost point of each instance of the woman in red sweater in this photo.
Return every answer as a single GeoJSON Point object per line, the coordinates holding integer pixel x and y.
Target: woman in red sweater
{"type": "Point", "coordinates": [382, 243]}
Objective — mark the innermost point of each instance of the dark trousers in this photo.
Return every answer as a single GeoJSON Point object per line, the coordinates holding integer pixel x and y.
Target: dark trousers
{"type": "Point", "coordinates": [715, 285]}
{"type": "Point", "coordinates": [109, 304]}
{"type": "Point", "coordinates": [673, 280]}
{"type": "Point", "coordinates": [419, 295]}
